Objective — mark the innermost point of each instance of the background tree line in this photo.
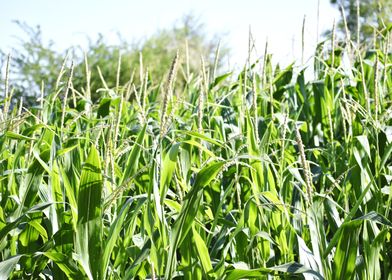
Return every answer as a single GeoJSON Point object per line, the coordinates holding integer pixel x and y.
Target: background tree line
{"type": "Point", "coordinates": [364, 18]}
{"type": "Point", "coordinates": [36, 64]}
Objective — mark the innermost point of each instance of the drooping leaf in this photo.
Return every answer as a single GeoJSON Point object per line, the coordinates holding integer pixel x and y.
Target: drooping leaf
{"type": "Point", "coordinates": [7, 266]}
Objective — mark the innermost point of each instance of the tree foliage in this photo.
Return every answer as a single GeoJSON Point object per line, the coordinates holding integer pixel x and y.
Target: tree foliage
{"type": "Point", "coordinates": [374, 16]}
{"type": "Point", "coordinates": [36, 63]}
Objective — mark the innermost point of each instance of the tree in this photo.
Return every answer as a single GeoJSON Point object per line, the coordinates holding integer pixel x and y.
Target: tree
{"type": "Point", "coordinates": [373, 15]}
{"type": "Point", "coordinates": [34, 61]}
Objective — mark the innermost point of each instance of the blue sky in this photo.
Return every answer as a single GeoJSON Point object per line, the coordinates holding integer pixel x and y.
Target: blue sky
{"type": "Point", "coordinates": [69, 22]}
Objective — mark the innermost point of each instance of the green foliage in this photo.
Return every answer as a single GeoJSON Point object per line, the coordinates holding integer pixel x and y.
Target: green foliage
{"type": "Point", "coordinates": [374, 17]}
{"type": "Point", "coordinates": [34, 62]}
{"type": "Point", "coordinates": [265, 174]}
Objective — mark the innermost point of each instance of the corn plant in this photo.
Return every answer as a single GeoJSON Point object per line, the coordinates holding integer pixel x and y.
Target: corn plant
{"type": "Point", "coordinates": [258, 174]}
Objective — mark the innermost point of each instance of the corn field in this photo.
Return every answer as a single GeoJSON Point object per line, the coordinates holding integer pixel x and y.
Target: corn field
{"type": "Point", "coordinates": [264, 174]}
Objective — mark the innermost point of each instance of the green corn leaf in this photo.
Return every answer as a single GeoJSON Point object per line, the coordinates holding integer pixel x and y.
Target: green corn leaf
{"type": "Point", "coordinates": [66, 150]}
{"type": "Point", "coordinates": [202, 252]}
{"type": "Point", "coordinates": [203, 137]}
{"type": "Point", "coordinates": [114, 234]}
{"type": "Point", "coordinates": [16, 136]}
{"type": "Point", "coordinates": [346, 251]}
{"type": "Point", "coordinates": [348, 218]}
{"type": "Point", "coordinates": [167, 169]}
{"type": "Point", "coordinates": [218, 80]}
{"type": "Point", "coordinates": [89, 226]}
{"type": "Point", "coordinates": [7, 266]}
{"type": "Point", "coordinates": [66, 265]}
{"type": "Point", "coordinates": [188, 212]}
{"type": "Point", "coordinates": [363, 140]}
{"type": "Point", "coordinates": [90, 189]}
{"type": "Point", "coordinates": [133, 157]}
{"type": "Point", "coordinates": [289, 269]}
{"type": "Point", "coordinates": [22, 218]}
{"type": "Point", "coordinates": [376, 217]}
